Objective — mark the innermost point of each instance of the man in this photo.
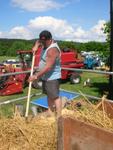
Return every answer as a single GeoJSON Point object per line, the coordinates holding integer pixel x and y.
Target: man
{"type": "Point", "coordinates": [49, 70]}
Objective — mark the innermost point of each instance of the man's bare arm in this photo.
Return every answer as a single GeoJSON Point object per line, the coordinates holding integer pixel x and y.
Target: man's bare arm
{"type": "Point", "coordinates": [50, 60]}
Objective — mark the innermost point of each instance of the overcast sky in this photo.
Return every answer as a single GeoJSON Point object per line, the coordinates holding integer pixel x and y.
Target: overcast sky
{"type": "Point", "coordinates": [74, 20]}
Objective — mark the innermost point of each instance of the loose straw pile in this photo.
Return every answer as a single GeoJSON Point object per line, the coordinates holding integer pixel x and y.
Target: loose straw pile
{"type": "Point", "coordinates": [89, 113]}
{"type": "Point", "coordinates": [37, 134]}
{"type": "Point", "coordinates": [40, 133]}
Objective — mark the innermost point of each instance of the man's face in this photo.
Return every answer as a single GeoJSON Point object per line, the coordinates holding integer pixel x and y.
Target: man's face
{"type": "Point", "coordinates": [45, 42]}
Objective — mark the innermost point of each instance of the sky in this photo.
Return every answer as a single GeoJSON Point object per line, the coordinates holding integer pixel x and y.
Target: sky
{"type": "Point", "coordinates": [68, 20]}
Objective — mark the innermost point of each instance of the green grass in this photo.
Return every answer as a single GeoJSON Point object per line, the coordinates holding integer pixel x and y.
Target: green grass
{"type": "Point", "coordinates": [6, 58]}
{"type": "Point", "coordinates": [99, 84]}
{"type": "Point", "coordinates": [98, 87]}
{"type": "Point", "coordinates": [8, 109]}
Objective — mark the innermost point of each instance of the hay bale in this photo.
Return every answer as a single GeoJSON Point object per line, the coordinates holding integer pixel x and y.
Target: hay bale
{"type": "Point", "coordinates": [38, 133]}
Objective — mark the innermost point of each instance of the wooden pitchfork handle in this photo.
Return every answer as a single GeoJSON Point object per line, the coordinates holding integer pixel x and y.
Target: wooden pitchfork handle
{"type": "Point", "coordinates": [29, 89]}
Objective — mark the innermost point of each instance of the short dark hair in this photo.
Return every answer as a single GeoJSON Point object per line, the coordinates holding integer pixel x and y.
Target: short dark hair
{"type": "Point", "coordinates": [45, 35]}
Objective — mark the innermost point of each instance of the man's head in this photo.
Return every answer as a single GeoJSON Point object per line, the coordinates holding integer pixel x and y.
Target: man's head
{"type": "Point", "coordinates": [45, 35]}
{"type": "Point", "coordinates": [45, 38]}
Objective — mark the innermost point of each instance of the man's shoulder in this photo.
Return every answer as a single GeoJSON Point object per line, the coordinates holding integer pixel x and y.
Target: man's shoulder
{"type": "Point", "coordinates": [53, 50]}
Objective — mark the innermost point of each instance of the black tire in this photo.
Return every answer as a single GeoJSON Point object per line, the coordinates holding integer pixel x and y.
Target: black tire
{"type": "Point", "coordinates": [25, 82]}
{"type": "Point", "coordinates": [75, 78]}
{"type": "Point", "coordinates": [37, 84]}
{"type": "Point", "coordinates": [3, 80]}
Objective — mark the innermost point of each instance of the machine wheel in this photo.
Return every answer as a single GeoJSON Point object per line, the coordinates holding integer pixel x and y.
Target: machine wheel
{"type": "Point", "coordinates": [37, 84]}
{"type": "Point", "coordinates": [3, 80]}
{"type": "Point", "coordinates": [75, 78]}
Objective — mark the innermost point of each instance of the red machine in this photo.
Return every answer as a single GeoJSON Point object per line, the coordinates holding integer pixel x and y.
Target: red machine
{"type": "Point", "coordinates": [14, 83]}
{"type": "Point", "coordinates": [11, 84]}
{"type": "Point", "coordinates": [69, 59]}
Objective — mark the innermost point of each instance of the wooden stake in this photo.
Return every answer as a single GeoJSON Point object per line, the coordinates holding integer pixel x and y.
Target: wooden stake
{"type": "Point", "coordinates": [29, 89]}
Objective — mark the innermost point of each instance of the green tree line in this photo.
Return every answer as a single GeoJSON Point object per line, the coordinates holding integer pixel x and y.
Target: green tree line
{"type": "Point", "coordinates": [8, 47]}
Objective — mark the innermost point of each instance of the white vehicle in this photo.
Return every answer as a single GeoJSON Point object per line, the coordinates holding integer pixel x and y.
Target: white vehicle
{"type": "Point", "coordinates": [13, 62]}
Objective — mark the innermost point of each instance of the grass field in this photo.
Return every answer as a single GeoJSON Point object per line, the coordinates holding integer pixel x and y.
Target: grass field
{"type": "Point", "coordinates": [5, 58]}
{"type": "Point", "coordinates": [99, 85]}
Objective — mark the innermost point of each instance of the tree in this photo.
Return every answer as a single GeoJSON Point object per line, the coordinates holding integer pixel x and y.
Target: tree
{"type": "Point", "coordinates": [17, 45]}
{"type": "Point", "coordinates": [106, 30]}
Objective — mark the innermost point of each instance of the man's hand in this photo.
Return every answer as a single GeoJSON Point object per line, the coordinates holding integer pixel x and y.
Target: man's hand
{"type": "Point", "coordinates": [36, 46]}
{"type": "Point", "coordinates": [32, 78]}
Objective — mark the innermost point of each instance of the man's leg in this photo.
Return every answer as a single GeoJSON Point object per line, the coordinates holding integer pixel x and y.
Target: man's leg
{"type": "Point", "coordinates": [51, 105]}
{"type": "Point", "coordinates": [55, 104]}
{"type": "Point", "coordinates": [52, 90]}
{"type": "Point", "coordinates": [58, 105]}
